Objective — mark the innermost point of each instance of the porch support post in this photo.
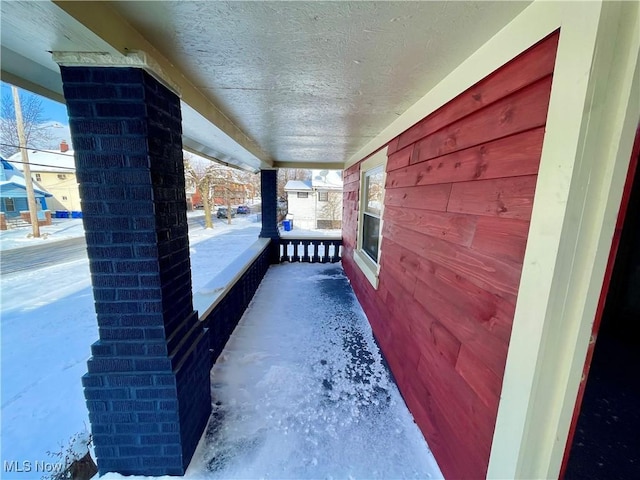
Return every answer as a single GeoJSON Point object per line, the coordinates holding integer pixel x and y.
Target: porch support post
{"type": "Point", "coordinates": [147, 386]}
{"type": "Point", "coordinates": [269, 193]}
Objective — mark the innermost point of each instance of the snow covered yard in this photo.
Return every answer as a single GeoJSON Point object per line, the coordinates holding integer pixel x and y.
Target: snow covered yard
{"type": "Point", "coordinates": [47, 326]}
{"type": "Point", "coordinates": [301, 391]}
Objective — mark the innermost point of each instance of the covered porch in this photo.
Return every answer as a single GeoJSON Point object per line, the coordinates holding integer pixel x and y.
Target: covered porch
{"type": "Point", "coordinates": [484, 149]}
{"type": "Point", "coordinates": [301, 390]}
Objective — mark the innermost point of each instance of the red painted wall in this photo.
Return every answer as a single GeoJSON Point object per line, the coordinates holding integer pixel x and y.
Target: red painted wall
{"type": "Point", "coordinates": [459, 195]}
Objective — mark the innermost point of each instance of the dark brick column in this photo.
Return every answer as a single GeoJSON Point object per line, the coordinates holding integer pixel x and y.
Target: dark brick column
{"type": "Point", "coordinates": [147, 388]}
{"type": "Point", "coordinates": [269, 194]}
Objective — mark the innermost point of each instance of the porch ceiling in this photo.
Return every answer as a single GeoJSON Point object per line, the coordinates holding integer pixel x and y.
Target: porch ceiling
{"type": "Point", "coordinates": [264, 83]}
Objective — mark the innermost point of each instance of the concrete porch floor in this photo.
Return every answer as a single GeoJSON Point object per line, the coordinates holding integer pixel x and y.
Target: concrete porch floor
{"type": "Point", "coordinates": [301, 390]}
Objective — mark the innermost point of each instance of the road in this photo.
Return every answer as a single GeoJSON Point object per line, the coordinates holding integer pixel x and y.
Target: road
{"type": "Point", "coordinates": [39, 256]}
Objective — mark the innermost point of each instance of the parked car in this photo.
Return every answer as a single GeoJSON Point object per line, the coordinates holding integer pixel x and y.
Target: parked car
{"type": "Point", "coordinates": [222, 212]}
{"type": "Point", "coordinates": [243, 210]}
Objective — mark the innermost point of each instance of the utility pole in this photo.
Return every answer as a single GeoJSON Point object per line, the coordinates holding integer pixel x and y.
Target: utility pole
{"type": "Point", "coordinates": [31, 197]}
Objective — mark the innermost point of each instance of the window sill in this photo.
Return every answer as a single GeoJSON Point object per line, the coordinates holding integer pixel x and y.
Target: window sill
{"type": "Point", "coordinates": [370, 269]}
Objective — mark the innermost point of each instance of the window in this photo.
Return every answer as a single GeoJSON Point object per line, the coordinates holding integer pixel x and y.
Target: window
{"type": "Point", "coordinates": [303, 194]}
{"type": "Point", "coordinates": [323, 196]}
{"type": "Point", "coordinates": [371, 202]}
{"type": "Point", "coordinates": [64, 198]}
{"type": "Point", "coordinates": [373, 195]}
{"type": "Point", "coordinates": [62, 176]}
{"type": "Point", "coordinates": [9, 205]}
{"type": "Point", "coordinates": [38, 177]}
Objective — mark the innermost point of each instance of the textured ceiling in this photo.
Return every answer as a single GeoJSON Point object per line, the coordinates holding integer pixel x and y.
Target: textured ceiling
{"type": "Point", "coordinates": [297, 82]}
{"type": "Point", "coordinates": [314, 81]}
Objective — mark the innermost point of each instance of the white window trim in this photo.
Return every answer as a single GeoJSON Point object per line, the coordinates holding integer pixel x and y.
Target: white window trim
{"type": "Point", "coordinates": [370, 268]}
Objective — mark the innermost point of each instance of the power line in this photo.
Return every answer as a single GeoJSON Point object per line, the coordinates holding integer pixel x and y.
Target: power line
{"type": "Point", "coordinates": [36, 150]}
{"type": "Point", "coordinates": [42, 165]}
{"type": "Point", "coordinates": [39, 150]}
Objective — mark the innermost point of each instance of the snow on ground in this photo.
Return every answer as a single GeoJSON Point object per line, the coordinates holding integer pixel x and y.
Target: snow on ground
{"type": "Point", "coordinates": [59, 230]}
{"type": "Point", "coordinates": [48, 324]}
{"type": "Point", "coordinates": [300, 391]}
{"type": "Point", "coordinates": [303, 233]}
{"type": "Point", "coordinates": [65, 228]}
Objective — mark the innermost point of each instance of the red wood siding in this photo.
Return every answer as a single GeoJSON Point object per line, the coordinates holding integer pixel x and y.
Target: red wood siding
{"type": "Point", "coordinates": [459, 194]}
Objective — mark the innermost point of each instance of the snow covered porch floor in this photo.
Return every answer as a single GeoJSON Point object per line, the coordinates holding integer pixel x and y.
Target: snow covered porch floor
{"type": "Point", "coordinates": [301, 391]}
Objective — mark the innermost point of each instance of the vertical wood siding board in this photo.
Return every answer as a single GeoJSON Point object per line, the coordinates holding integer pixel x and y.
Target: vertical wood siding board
{"type": "Point", "coordinates": [480, 378]}
{"type": "Point", "coordinates": [501, 237]}
{"type": "Point", "coordinates": [452, 228]}
{"type": "Point", "coordinates": [527, 68]}
{"type": "Point", "coordinates": [501, 197]}
{"type": "Point", "coordinates": [430, 197]}
{"type": "Point", "coordinates": [522, 111]}
{"type": "Point", "coordinates": [493, 275]}
{"type": "Point", "coordinates": [515, 155]}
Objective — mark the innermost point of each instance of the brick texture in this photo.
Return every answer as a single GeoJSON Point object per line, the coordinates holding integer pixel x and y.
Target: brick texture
{"type": "Point", "coordinates": [269, 193]}
{"type": "Point", "coordinates": [147, 386]}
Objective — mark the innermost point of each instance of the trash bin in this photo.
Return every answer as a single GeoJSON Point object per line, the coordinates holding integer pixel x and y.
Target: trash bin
{"type": "Point", "coordinates": [287, 225]}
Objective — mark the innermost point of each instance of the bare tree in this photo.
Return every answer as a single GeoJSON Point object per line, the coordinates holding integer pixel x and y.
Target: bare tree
{"type": "Point", "coordinates": [332, 208]}
{"type": "Point", "coordinates": [229, 185]}
{"type": "Point", "coordinates": [251, 184]}
{"type": "Point", "coordinates": [33, 118]}
{"type": "Point", "coordinates": [200, 176]}
{"type": "Point", "coordinates": [214, 181]}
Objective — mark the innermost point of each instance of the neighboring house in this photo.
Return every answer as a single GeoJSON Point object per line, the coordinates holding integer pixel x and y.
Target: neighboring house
{"type": "Point", "coordinates": [55, 171]}
{"type": "Point", "coordinates": [316, 203]}
{"type": "Point", "coordinates": [238, 196]}
{"type": "Point", "coordinates": [13, 194]}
